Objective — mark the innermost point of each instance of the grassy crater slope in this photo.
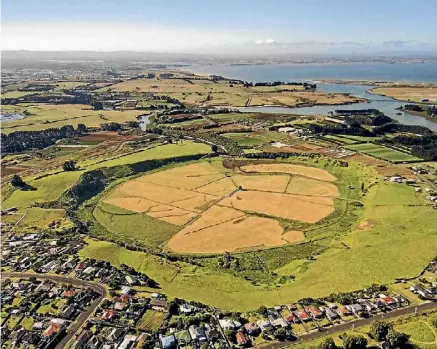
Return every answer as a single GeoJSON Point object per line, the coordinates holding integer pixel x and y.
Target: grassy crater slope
{"type": "Point", "coordinates": [392, 236]}
{"type": "Point", "coordinates": [139, 228]}
{"type": "Point", "coordinates": [56, 189]}
{"type": "Point", "coordinates": [51, 187]}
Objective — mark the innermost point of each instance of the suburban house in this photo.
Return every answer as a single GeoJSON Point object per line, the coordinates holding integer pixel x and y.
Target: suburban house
{"type": "Point", "coordinates": [186, 309]}
{"type": "Point", "coordinates": [252, 328]}
{"type": "Point", "coordinates": [159, 305]}
{"type": "Point", "coordinates": [83, 338]}
{"type": "Point", "coordinates": [291, 318]}
{"type": "Point", "coordinates": [331, 314]}
{"type": "Point", "coordinates": [242, 338]}
{"type": "Point", "coordinates": [115, 334]}
{"type": "Point", "coordinates": [264, 325]}
{"type": "Point", "coordinates": [197, 333]}
{"type": "Point", "coordinates": [344, 311]}
{"type": "Point", "coordinates": [314, 311]}
{"type": "Point", "coordinates": [128, 342]}
{"type": "Point", "coordinates": [389, 301]}
{"type": "Point", "coordinates": [228, 324]}
{"type": "Point", "coordinates": [304, 316]}
{"type": "Point", "coordinates": [355, 308]}
{"type": "Point", "coordinates": [168, 342]}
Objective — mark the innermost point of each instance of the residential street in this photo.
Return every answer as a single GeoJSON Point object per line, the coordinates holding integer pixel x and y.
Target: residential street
{"type": "Point", "coordinates": [277, 345]}
{"type": "Point", "coordinates": [84, 315]}
{"type": "Point", "coordinates": [348, 326]}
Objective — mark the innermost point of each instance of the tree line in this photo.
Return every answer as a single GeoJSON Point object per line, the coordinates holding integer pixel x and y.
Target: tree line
{"type": "Point", "coordinates": [424, 147]}
{"type": "Point", "coordinates": [306, 85]}
{"type": "Point", "coordinates": [24, 140]}
{"type": "Point", "coordinates": [430, 110]}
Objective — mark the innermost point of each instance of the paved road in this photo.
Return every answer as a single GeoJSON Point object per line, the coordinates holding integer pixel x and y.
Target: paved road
{"type": "Point", "coordinates": [83, 315]}
{"type": "Point", "coordinates": [348, 326]}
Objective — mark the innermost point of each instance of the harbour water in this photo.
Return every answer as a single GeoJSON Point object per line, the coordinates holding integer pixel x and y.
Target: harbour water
{"type": "Point", "coordinates": [406, 72]}
{"type": "Point", "coordinates": [426, 72]}
{"type": "Point", "coordinates": [11, 116]}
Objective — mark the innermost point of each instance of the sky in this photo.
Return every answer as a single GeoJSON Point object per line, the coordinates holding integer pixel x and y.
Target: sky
{"type": "Point", "coordinates": [276, 26]}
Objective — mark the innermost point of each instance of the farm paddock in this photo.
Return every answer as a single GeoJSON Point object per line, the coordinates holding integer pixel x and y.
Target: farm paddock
{"type": "Point", "coordinates": [218, 210]}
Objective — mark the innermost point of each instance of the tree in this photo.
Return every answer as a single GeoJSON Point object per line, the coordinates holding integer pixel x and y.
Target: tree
{"type": "Point", "coordinates": [280, 333]}
{"type": "Point", "coordinates": [17, 181]}
{"type": "Point", "coordinates": [214, 148]}
{"type": "Point", "coordinates": [231, 334]}
{"type": "Point", "coordinates": [173, 308]}
{"type": "Point", "coordinates": [379, 330]}
{"type": "Point", "coordinates": [396, 339]}
{"type": "Point", "coordinates": [327, 343]}
{"type": "Point", "coordinates": [81, 128]}
{"type": "Point", "coordinates": [354, 342]}
{"type": "Point", "coordinates": [69, 165]}
{"type": "Point", "coordinates": [97, 105]}
{"type": "Point", "coordinates": [262, 310]}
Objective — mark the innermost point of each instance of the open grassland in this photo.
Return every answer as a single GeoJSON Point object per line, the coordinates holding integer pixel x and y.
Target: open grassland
{"type": "Point", "coordinates": [130, 226]}
{"type": "Point", "coordinates": [44, 116]}
{"type": "Point", "coordinates": [222, 229]}
{"type": "Point", "coordinates": [384, 153]}
{"type": "Point", "coordinates": [209, 93]}
{"type": "Point", "coordinates": [303, 209]}
{"type": "Point", "coordinates": [15, 94]}
{"type": "Point", "coordinates": [305, 171]}
{"type": "Point", "coordinates": [339, 139]}
{"type": "Point", "coordinates": [223, 211]}
{"type": "Point", "coordinates": [419, 332]}
{"type": "Point", "coordinates": [409, 94]}
{"type": "Point", "coordinates": [360, 254]}
{"type": "Point", "coordinates": [46, 189]}
{"type": "Point", "coordinates": [51, 187]}
{"type": "Point", "coordinates": [161, 152]}
{"type": "Point", "coordinates": [253, 139]}
{"type": "Point", "coordinates": [37, 217]}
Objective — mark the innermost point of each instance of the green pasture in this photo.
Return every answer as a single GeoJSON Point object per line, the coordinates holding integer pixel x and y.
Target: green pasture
{"type": "Point", "coordinates": [136, 228]}
{"type": "Point", "coordinates": [381, 152]}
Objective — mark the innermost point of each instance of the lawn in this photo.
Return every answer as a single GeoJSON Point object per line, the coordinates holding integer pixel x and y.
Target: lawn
{"type": "Point", "coordinates": [136, 228]}
{"type": "Point", "coordinates": [27, 322]}
{"type": "Point", "coordinates": [381, 152]}
{"type": "Point", "coordinates": [151, 320]}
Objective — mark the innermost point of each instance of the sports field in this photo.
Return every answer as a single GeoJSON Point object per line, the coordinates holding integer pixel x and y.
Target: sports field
{"type": "Point", "coordinates": [384, 153]}
{"type": "Point", "coordinates": [221, 210]}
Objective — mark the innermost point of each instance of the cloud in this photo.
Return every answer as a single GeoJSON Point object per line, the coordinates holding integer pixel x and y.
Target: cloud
{"type": "Point", "coordinates": [266, 42]}
{"type": "Point", "coordinates": [101, 36]}
{"type": "Point", "coordinates": [148, 37]}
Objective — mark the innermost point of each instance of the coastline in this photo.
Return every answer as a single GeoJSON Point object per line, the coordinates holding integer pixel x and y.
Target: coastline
{"type": "Point", "coordinates": [371, 91]}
